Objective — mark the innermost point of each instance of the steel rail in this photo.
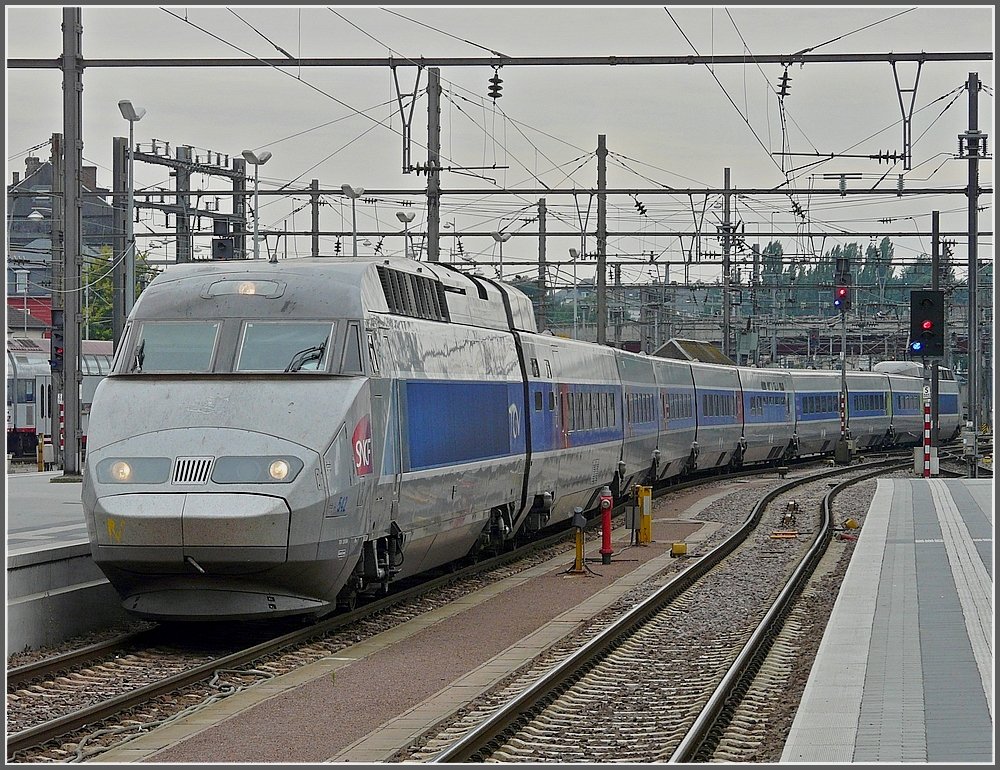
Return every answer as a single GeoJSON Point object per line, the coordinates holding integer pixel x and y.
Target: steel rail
{"type": "Point", "coordinates": [522, 706]}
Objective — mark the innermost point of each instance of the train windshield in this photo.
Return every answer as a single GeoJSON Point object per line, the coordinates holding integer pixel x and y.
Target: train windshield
{"type": "Point", "coordinates": [173, 346]}
{"type": "Point", "coordinates": [284, 346]}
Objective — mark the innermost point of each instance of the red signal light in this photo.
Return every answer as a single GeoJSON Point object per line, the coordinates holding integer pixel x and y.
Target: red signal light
{"type": "Point", "coordinates": [927, 325]}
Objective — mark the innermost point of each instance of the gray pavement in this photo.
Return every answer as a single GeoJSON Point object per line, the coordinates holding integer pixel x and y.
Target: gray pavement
{"type": "Point", "coordinates": [41, 512]}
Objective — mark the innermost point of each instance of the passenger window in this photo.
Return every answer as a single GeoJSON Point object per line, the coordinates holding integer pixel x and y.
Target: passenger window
{"type": "Point", "coordinates": [538, 400]}
{"type": "Point", "coordinates": [552, 400]}
{"type": "Point", "coordinates": [534, 367]}
{"type": "Point", "coordinates": [548, 369]}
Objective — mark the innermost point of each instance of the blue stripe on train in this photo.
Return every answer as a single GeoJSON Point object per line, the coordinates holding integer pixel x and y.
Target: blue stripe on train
{"type": "Point", "coordinates": [449, 423]}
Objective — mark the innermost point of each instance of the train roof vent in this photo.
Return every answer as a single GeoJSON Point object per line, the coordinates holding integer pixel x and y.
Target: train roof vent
{"type": "Point", "coordinates": [192, 470]}
{"type": "Point", "coordinates": [413, 295]}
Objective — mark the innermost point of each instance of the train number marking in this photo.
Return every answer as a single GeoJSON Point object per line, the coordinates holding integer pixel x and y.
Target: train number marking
{"type": "Point", "coordinates": [116, 529]}
{"type": "Point", "coordinates": [361, 442]}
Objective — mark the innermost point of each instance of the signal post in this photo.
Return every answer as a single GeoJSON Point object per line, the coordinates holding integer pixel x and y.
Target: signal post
{"type": "Point", "coordinates": [842, 301]}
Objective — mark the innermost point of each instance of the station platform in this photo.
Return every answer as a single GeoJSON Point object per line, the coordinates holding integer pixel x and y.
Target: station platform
{"type": "Point", "coordinates": [904, 672]}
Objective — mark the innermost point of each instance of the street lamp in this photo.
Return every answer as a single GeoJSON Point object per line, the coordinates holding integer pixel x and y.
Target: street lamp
{"type": "Point", "coordinates": [573, 253]}
{"type": "Point", "coordinates": [353, 193]}
{"type": "Point", "coordinates": [406, 217]}
{"type": "Point", "coordinates": [132, 115]}
{"type": "Point", "coordinates": [500, 238]}
{"type": "Point", "coordinates": [257, 160]}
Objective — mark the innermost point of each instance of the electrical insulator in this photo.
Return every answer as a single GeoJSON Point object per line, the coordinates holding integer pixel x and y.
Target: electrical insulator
{"type": "Point", "coordinates": [336, 247]}
{"type": "Point", "coordinates": [843, 185]}
{"type": "Point", "coordinates": [783, 85]}
{"type": "Point", "coordinates": [899, 185]}
{"type": "Point", "coordinates": [495, 87]}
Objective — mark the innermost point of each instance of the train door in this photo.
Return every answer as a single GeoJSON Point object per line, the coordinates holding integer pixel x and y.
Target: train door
{"type": "Point", "coordinates": [43, 404]}
{"type": "Point", "coordinates": [385, 416]}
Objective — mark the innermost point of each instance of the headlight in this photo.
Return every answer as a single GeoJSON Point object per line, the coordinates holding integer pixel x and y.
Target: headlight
{"type": "Point", "coordinates": [133, 470]}
{"type": "Point", "coordinates": [279, 470]}
{"type": "Point", "coordinates": [256, 470]}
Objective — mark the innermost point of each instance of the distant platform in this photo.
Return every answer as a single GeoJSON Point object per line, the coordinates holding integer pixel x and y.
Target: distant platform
{"type": "Point", "coordinates": [905, 669]}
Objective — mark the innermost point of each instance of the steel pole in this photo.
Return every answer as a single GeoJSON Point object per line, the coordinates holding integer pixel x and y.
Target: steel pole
{"type": "Point", "coordinates": [130, 225]}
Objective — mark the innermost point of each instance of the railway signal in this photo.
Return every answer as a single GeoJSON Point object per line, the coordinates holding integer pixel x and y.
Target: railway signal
{"type": "Point", "coordinates": [842, 285]}
{"type": "Point", "coordinates": [56, 342]}
{"type": "Point", "coordinates": [927, 330]}
{"type": "Point", "coordinates": [842, 298]}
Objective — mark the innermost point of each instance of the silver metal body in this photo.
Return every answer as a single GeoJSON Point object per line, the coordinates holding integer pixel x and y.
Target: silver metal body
{"type": "Point", "coordinates": [279, 439]}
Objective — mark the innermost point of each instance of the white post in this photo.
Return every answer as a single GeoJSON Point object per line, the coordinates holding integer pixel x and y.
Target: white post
{"type": "Point", "coordinates": [256, 211]}
{"type": "Point", "coordinates": [129, 299]}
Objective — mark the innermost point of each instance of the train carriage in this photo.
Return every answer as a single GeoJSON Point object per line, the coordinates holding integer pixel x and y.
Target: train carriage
{"type": "Point", "coordinates": [817, 420]}
{"type": "Point", "coordinates": [643, 417]}
{"type": "Point", "coordinates": [677, 445]}
{"type": "Point", "coordinates": [576, 425]}
{"type": "Point", "coordinates": [719, 410]}
{"type": "Point", "coordinates": [767, 408]}
{"type": "Point", "coordinates": [868, 405]}
{"type": "Point", "coordinates": [907, 410]}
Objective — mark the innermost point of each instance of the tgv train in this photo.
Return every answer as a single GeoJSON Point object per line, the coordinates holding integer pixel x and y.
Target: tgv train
{"type": "Point", "coordinates": [278, 439]}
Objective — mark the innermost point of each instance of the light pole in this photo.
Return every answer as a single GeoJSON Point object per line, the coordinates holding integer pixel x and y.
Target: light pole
{"type": "Point", "coordinates": [21, 285]}
{"type": "Point", "coordinates": [257, 160]}
{"type": "Point", "coordinates": [406, 217]}
{"type": "Point", "coordinates": [353, 193]}
{"type": "Point", "coordinates": [573, 253]}
{"type": "Point", "coordinates": [500, 238]}
{"type": "Point", "coordinates": [132, 115]}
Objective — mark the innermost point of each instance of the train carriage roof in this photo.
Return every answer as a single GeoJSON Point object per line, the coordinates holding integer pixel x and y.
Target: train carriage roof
{"type": "Point", "coordinates": [341, 287]}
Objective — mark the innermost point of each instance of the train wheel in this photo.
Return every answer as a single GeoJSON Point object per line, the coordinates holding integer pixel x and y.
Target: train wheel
{"type": "Point", "coordinates": [347, 599]}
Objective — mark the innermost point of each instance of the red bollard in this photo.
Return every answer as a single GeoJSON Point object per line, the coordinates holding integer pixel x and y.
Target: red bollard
{"type": "Point", "coordinates": [606, 505]}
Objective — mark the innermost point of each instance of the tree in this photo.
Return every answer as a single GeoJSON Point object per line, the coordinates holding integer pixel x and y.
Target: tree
{"type": "Point", "coordinates": [98, 291]}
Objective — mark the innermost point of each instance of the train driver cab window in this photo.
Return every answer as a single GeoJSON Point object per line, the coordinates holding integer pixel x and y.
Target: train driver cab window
{"type": "Point", "coordinates": [172, 346]}
{"type": "Point", "coordinates": [284, 346]}
{"type": "Point", "coordinates": [352, 351]}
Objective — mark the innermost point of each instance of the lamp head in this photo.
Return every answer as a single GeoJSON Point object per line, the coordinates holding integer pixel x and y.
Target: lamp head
{"type": "Point", "coordinates": [352, 192]}
{"type": "Point", "coordinates": [130, 113]}
{"type": "Point", "coordinates": [500, 237]}
{"type": "Point", "coordinates": [405, 216]}
{"type": "Point", "coordinates": [257, 158]}
{"type": "Point", "coordinates": [574, 253]}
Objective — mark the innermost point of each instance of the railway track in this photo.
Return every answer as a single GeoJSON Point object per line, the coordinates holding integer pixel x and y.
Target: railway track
{"type": "Point", "coordinates": [661, 683]}
{"type": "Point", "coordinates": [68, 707]}
{"type": "Point", "coordinates": [68, 699]}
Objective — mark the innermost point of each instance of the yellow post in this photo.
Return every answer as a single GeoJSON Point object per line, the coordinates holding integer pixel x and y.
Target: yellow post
{"type": "Point", "coordinates": [645, 495]}
{"type": "Point", "coordinates": [40, 452]}
{"type": "Point", "coordinates": [578, 565]}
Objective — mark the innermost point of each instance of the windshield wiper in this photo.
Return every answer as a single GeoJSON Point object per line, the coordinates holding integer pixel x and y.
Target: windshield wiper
{"type": "Point", "coordinates": [314, 353]}
{"type": "Point", "coordinates": [140, 356]}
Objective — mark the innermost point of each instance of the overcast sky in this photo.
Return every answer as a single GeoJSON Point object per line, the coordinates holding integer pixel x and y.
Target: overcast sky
{"type": "Point", "coordinates": [665, 126]}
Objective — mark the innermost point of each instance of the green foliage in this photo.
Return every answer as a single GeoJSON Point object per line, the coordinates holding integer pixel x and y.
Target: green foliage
{"type": "Point", "coordinates": [98, 292]}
